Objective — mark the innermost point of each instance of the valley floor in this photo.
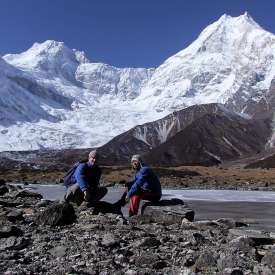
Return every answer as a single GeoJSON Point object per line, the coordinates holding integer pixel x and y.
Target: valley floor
{"type": "Point", "coordinates": [195, 177]}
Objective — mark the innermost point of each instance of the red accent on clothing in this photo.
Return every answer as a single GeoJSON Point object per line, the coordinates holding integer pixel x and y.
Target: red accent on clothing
{"type": "Point", "coordinates": [135, 201]}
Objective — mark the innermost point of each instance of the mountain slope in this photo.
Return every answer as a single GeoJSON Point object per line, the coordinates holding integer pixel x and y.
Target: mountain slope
{"type": "Point", "coordinates": [231, 62]}
{"type": "Point", "coordinates": [143, 138]}
{"type": "Point", "coordinates": [80, 104]}
{"type": "Point", "coordinates": [212, 139]}
{"type": "Point", "coordinates": [55, 97]}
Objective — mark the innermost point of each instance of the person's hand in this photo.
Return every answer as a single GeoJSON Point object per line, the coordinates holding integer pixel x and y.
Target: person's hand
{"type": "Point", "coordinates": [87, 195]}
{"type": "Point", "coordinates": [127, 199]}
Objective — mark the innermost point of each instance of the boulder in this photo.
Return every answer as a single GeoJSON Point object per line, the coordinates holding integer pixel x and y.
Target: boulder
{"type": "Point", "coordinates": [269, 259]}
{"type": "Point", "coordinates": [28, 194]}
{"type": "Point", "coordinates": [58, 251]}
{"type": "Point", "coordinates": [9, 203]}
{"type": "Point", "coordinates": [57, 214]}
{"type": "Point", "coordinates": [15, 215]}
{"type": "Point", "coordinates": [146, 260]}
{"type": "Point", "coordinates": [232, 271]}
{"type": "Point", "coordinates": [109, 240]}
{"type": "Point", "coordinates": [2, 182]}
{"type": "Point", "coordinates": [256, 237]}
{"type": "Point", "coordinates": [166, 212]}
{"type": "Point", "coordinates": [148, 242]}
{"type": "Point", "coordinates": [43, 203]}
{"type": "Point", "coordinates": [3, 190]}
{"type": "Point", "coordinates": [8, 231]}
{"type": "Point", "coordinates": [205, 261]}
{"type": "Point", "coordinates": [13, 243]}
{"type": "Point", "coordinates": [231, 223]}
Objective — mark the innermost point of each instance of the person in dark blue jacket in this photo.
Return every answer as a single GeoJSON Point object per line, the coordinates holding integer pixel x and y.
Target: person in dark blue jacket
{"type": "Point", "coordinates": [145, 186]}
{"type": "Point", "coordinates": [86, 178]}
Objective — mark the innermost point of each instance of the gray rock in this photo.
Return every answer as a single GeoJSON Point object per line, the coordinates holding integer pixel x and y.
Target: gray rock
{"type": "Point", "coordinates": [231, 271]}
{"type": "Point", "coordinates": [269, 258]}
{"type": "Point", "coordinates": [166, 212]}
{"type": "Point", "coordinates": [131, 272]}
{"type": "Point", "coordinates": [241, 243]}
{"type": "Point", "coordinates": [8, 203]}
{"type": "Point", "coordinates": [109, 240]}
{"type": "Point", "coordinates": [187, 225]}
{"type": "Point", "coordinates": [15, 215]}
{"type": "Point", "coordinates": [58, 251]}
{"type": "Point", "coordinates": [28, 194]}
{"type": "Point", "coordinates": [57, 214]}
{"type": "Point", "coordinates": [257, 237]}
{"type": "Point", "coordinates": [231, 223]}
{"type": "Point", "coordinates": [8, 231]}
{"type": "Point", "coordinates": [3, 190]}
{"type": "Point", "coordinates": [43, 203]}
{"type": "Point", "coordinates": [205, 261]}
{"type": "Point", "coordinates": [232, 259]}
{"type": "Point", "coordinates": [148, 242]}
{"type": "Point", "coordinates": [13, 243]}
{"type": "Point", "coordinates": [147, 259]}
{"type": "Point", "coordinates": [263, 270]}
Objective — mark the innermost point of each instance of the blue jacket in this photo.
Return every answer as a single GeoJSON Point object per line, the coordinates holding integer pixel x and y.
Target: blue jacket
{"type": "Point", "coordinates": [145, 179]}
{"type": "Point", "coordinates": [87, 176]}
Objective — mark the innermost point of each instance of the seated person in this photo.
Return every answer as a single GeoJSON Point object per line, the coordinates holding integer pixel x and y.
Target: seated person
{"type": "Point", "coordinates": [145, 186]}
{"type": "Point", "coordinates": [86, 186]}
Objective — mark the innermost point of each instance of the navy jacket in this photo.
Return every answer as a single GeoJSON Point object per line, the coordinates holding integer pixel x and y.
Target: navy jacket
{"type": "Point", "coordinates": [87, 176]}
{"type": "Point", "coordinates": [145, 179]}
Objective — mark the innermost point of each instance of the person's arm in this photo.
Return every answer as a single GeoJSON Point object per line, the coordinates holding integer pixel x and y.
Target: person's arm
{"type": "Point", "coordinates": [138, 182]}
{"type": "Point", "coordinates": [80, 177]}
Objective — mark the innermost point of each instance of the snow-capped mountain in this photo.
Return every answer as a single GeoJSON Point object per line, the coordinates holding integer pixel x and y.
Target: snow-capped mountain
{"type": "Point", "coordinates": [231, 62]}
{"type": "Point", "coordinates": [78, 103]}
{"type": "Point", "coordinates": [55, 97]}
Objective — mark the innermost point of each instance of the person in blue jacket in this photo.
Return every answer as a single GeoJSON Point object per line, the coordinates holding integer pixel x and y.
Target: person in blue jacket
{"type": "Point", "coordinates": [145, 186]}
{"type": "Point", "coordinates": [86, 178]}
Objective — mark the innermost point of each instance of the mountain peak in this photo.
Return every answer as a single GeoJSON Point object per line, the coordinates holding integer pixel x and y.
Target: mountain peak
{"type": "Point", "coordinates": [49, 56]}
{"type": "Point", "coordinates": [49, 45]}
{"type": "Point", "coordinates": [57, 47]}
{"type": "Point", "coordinates": [243, 19]}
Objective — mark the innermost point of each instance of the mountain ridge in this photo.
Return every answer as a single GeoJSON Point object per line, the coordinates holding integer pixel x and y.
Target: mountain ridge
{"type": "Point", "coordinates": [231, 62]}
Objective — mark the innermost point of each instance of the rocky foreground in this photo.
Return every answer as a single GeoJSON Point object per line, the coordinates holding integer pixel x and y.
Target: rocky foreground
{"type": "Point", "coordinates": [43, 237]}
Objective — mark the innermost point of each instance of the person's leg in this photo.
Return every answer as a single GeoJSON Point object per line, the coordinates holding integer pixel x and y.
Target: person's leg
{"type": "Point", "coordinates": [148, 199]}
{"type": "Point", "coordinates": [74, 194]}
{"type": "Point", "coordinates": [98, 194]}
{"type": "Point", "coordinates": [134, 204]}
{"type": "Point", "coordinates": [122, 201]}
{"type": "Point", "coordinates": [151, 197]}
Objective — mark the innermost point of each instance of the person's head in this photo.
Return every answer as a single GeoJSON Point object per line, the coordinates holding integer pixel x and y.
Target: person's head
{"type": "Point", "coordinates": [93, 157]}
{"type": "Point", "coordinates": [136, 162]}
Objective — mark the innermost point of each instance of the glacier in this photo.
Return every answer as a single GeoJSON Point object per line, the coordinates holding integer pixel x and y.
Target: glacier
{"type": "Point", "coordinates": [55, 97]}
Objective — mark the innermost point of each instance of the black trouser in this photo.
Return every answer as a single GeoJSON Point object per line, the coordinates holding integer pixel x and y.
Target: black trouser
{"type": "Point", "coordinates": [74, 194]}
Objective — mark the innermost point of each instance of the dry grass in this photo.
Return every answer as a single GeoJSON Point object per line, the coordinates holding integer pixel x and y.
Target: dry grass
{"type": "Point", "coordinates": [185, 176]}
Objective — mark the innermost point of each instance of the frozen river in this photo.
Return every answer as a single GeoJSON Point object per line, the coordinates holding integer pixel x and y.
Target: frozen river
{"type": "Point", "coordinates": [254, 207]}
{"type": "Point", "coordinates": [55, 192]}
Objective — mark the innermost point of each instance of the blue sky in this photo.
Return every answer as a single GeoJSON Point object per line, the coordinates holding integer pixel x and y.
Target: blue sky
{"type": "Point", "coordinates": [134, 33]}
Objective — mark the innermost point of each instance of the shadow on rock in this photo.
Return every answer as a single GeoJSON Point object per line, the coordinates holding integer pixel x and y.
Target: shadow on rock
{"type": "Point", "coordinates": [106, 207]}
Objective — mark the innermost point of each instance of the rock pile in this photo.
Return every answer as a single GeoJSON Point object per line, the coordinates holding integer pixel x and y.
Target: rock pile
{"type": "Point", "coordinates": [44, 237]}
